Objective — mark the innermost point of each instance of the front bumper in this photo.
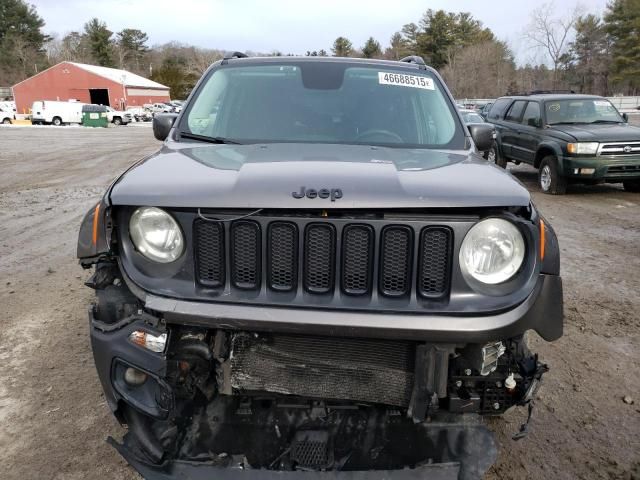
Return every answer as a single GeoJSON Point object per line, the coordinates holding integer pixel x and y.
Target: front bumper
{"type": "Point", "coordinates": [541, 311]}
{"type": "Point", "coordinates": [607, 168]}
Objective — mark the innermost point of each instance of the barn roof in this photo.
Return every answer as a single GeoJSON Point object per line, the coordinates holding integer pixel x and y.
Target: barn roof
{"type": "Point", "coordinates": [120, 76]}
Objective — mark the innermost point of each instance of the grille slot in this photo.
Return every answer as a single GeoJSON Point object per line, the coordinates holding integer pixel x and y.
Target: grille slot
{"type": "Point", "coordinates": [209, 253]}
{"type": "Point", "coordinates": [245, 255]}
{"type": "Point", "coordinates": [435, 262]}
{"type": "Point", "coordinates": [357, 259]}
{"type": "Point", "coordinates": [283, 256]}
{"type": "Point", "coordinates": [319, 258]}
{"type": "Point", "coordinates": [395, 261]}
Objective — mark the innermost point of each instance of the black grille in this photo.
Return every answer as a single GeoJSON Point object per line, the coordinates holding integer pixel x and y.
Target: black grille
{"type": "Point", "coordinates": [357, 254]}
{"type": "Point", "coordinates": [319, 258]}
{"type": "Point", "coordinates": [283, 256]}
{"type": "Point", "coordinates": [344, 261]}
{"type": "Point", "coordinates": [209, 253]}
{"type": "Point", "coordinates": [435, 262]}
{"type": "Point", "coordinates": [395, 261]}
{"type": "Point", "coordinates": [245, 254]}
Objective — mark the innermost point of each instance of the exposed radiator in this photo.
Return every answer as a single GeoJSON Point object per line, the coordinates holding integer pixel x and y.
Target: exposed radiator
{"type": "Point", "coordinates": [372, 371]}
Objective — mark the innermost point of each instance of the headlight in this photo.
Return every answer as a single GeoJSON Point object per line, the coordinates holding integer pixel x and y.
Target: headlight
{"type": "Point", "coordinates": [492, 251]}
{"type": "Point", "coordinates": [583, 148]}
{"type": "Point", "coordinates": [156, 235]}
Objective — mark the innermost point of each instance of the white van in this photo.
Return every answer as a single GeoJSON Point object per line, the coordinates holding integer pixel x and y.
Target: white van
{"type": "Point", "coordinates": [56, 113]}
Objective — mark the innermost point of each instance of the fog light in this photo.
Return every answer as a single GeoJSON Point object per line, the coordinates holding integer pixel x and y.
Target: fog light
{"type": "Point", "coordinates": [155, 343]}
{"type": "Point", "coordinates": [134, 377]}
{"type": "Point", "coordinates": [491, 352]}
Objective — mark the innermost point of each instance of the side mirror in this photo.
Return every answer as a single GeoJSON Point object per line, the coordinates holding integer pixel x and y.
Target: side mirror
{"type": "Point", "coordinates": [535, 122]}
{"type": "Point", "coordinates": [162, 124]}
{"type": "Point", "coordinates": [482, 135]}
{"type": "Point", "coordinates": [625, 117]}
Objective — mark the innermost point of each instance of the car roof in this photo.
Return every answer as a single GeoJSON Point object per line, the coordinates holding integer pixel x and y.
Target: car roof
{"type": "Point", "coordinates": [552, 96]}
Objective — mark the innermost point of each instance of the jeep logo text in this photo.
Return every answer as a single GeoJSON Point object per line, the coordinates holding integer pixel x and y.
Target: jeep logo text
{"type": "Point", "coordinates": [334, 194]}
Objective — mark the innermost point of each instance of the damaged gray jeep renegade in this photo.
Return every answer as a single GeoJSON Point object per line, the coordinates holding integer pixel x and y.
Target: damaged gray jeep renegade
{"type": "Point", "coordinates": [317, 276]}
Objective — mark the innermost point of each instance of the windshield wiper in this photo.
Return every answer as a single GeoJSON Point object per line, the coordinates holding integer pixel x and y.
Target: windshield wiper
{"type": "Point", "coordinates": [567, 123]}
{"type": "Point", "coordinates": [204, 138]}
{"type": "Point", "coordinates": [606, 121]}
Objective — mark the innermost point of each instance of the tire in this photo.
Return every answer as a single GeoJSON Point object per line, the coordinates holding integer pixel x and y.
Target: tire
{"type": "Point", "coordinates": [57, 121]}
{"type": "Point", "coordinates": [549, 179]}
{"type": "Point", "coordinates": [632, 186]}
{"type": "Point", "coordinates": [6, 121]}
{"type": "Point", "coordinates": [493, 156]}
{"type": "Point", "coordinates": [117, 121]}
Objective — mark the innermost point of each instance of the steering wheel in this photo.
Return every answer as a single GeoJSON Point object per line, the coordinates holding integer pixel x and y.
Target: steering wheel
{"type": "Point", "coordinates": [374, 134]}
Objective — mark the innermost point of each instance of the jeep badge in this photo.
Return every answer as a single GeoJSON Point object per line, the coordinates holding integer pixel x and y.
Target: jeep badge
{"type": "Point", "coordinates": [334, 193]}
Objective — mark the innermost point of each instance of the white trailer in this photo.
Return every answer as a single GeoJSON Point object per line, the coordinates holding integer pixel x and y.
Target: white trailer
{"type": "Point", "coordinates": [56, 113]}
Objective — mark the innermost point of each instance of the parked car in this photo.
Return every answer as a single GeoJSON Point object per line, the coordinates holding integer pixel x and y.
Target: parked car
{"type": "Point", "coordinates": [56, 113]}
{"type": "Point", "coordinates": [118, 117]}
{"type": "Point", "coordinates": [6, 116]}
{"type": "Point", "coordinates": [140, 114]}
{"type": "Point", "coordinates": [318, 275]}
{"type": "Point", "coordinates": [569, 138]}
{"type": "Point", "coordinates": [472, 117]}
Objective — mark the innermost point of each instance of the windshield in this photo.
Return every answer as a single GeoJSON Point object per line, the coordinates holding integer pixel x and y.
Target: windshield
{"type": "Point", "coordinates": [584, 110]}
{"type": "Point", "coordinates": [472, 117]}
{"type": "Point", "coordinates": [324, 102]}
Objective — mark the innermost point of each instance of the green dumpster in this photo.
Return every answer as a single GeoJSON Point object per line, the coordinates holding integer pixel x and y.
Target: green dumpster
{"type": "Point", "coordinates": [94, 116]}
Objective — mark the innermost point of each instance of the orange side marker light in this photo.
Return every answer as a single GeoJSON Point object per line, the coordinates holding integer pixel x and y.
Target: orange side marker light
{"type": "Point", "coordinates": [542, 240]}
{"type": "Point", "coordinates": [96, 213]}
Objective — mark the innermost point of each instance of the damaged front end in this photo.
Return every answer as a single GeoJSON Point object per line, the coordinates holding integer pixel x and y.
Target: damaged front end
{"type": "Point", "coordinates": [205, 402]}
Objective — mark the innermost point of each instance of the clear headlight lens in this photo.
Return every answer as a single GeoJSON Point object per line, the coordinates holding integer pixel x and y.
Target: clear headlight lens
{"type": "Point", "coordinates": [156, 235]}
{"type": "Point", "coordinates": [492, 251]}
{"type": "Point", "coordinates": [583, 148]}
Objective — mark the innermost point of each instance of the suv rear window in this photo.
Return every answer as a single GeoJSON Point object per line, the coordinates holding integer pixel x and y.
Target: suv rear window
{"type": "Point", "coordinates": [515, 112]}
{"type": "Point", "coordinates": [498, 108]}
{"type": "Point", "coordinates": [325, 102]}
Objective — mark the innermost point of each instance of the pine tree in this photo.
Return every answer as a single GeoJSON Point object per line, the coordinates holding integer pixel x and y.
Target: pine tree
{"type": "Point", "coordinates": [99, 37]}
{"type": "Point", "coordinates": [342, 47]}
{"type": "Point", "coordinates": [372, 48]}
{"type": "Point", "coordinates": [622, 23]}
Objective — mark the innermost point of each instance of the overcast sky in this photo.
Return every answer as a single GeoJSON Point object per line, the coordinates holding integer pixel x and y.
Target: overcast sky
{"type": "Point", "coordinates": [289, 26]}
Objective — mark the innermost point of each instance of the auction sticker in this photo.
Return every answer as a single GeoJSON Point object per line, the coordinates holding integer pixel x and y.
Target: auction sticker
{"type": "Point", "coordinates": [403, 80]}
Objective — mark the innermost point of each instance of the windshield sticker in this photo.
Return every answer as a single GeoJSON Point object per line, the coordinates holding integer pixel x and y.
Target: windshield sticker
{"type": "Point", "coordinates": [554, 107]}
{"type": "Point", "coordinates": [601, 103]}
{"type": "Point", "coordinates": [402, 80]}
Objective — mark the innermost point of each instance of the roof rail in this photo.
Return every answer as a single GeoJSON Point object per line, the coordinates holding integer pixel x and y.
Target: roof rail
{"type": "Point", "coordinates": [541, 92]}
{"type": "Point", "coordinates": [229, 56]}
{"type": "Point", "coordinates": [418, 60]}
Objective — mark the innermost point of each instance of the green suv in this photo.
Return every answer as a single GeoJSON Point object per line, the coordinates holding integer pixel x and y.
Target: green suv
{"type": "Point", "coordinates": [569, 138]}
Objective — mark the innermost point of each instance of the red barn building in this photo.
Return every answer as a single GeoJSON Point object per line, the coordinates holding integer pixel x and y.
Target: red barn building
{"type": "Point", "coordinates": [88, 84]}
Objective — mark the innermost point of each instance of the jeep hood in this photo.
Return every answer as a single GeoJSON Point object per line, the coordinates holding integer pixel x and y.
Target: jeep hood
{"type": "Point", "coordinates": [600, 132]}
{"type": "Point", "coordinates": [265, 175]}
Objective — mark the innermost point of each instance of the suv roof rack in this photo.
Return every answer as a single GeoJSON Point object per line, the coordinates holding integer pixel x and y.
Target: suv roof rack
{"type": "Point", "coordinates": [540, 92]}
{"type": "Point", "coordinates": [229, 56]}
{"type": "Point", "coordinates": [418, 60]}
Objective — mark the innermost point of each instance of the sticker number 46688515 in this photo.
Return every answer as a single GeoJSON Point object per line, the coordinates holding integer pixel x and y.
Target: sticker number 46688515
{"type": "Point", "coordinates": [403, 80]}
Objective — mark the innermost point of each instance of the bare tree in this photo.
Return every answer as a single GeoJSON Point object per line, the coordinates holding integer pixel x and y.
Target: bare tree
{"type": "Point", "coordinates": [552, 33]}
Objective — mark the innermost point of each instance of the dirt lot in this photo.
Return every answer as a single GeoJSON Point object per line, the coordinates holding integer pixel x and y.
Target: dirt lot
{"type": "Point", "coordinates": [54, 420]}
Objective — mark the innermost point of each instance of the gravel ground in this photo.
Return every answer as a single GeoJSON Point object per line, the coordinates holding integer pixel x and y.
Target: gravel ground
{"type": "Point", "coordinates": [53, 416]}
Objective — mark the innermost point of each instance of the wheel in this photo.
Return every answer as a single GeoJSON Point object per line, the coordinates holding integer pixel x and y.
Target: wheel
{"type": "Point", "coordinates": [6, 121]}
{"type": "Point", "coordinates": [549, 179]}
{"type": "Point", "coordinates": [632, 186]}
{"type": "Point", "coordinates": [57, 121]}
{"type": "Point", "coordinates": [493, 156]}
{"type": "Point", "coordinates": [117, 121]}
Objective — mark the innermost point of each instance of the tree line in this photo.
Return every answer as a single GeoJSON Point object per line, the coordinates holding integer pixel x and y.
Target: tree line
{"type": "Point", "coordinates": [582, 52]}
